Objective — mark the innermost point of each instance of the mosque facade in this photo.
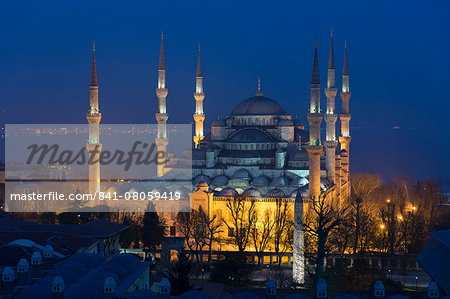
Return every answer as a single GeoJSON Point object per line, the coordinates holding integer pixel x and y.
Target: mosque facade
{"type": "Point", "coordinates": [259, 153]}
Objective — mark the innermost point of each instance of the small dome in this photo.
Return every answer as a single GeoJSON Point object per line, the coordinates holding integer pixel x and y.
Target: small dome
{"type": "Point", "coordinates": [304, 192]}
{"type": "Point", "coordinates": [242, 174]}
{"type": "Point", "coordinates": [275, 193]}
{"type": "Point", "coordinates": [298, 123]}
{"type": "Point", "coordinates": [300, 181]}
{"type": "Point", "coordinates": [219, 123]}
{"type": "Point", "coordinates": [258, 105]}
{"type": "Point", "coordinates": [201, 177]}
{"type": "Point", "coordinates": [285, 123]}
{"type": "Point", "coordinates": [251, 192]}
{"type": "Point", "coordinates": [182, 191]}
{"type": "Point", "coordinates": [160, 189]}
{"type": "Point", "coordinates": [220, 180]}
{"type": "Point", "coordinates": [228, 192]}
{"type": "Point", "coordinates": [138, 189]}
{"type": "Point", "coordinates": [202, 184]}
{"type": "Point", "coordinates": [261, 181]}
{"type": "Point", "coordinates": [280, 181]}
{"type": "Point", "coordinates": [324, 184]}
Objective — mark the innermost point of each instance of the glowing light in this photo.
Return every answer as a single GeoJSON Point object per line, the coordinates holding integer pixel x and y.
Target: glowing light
{"type": "Point", "coordinates": [382, 226]}
{"type": "Point", "coordinates": [388, 200]}
{"type": "Point", "coordinates": [414, 208]}
{"type": "Point", "coordinates": [400, 218]}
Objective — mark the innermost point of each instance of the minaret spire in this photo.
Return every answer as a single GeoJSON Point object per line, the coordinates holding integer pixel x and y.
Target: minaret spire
{"type": "Point", "coordinates": [199, 116]}
{"type": "Point", "coordinates": [199, 64]}
{"type": "Point", "coordinates": [331, 55]}
{"type": "Point", "coordinates": [93, 117]}
{"type": "Point", "coordinates": [314, 148]}
{"type": "Point", "coordinates": [94, 81]}
{"type": "Point", "coordinates": [161, 116]}
{"type": "Point", "coordinates": [161, 65]}
{"type": "Point", "coordinates": [331, 116]}
{"type": "Point", "coordinates": [345, 117]}
{"type": "Point", "coordinates": [315, 77]}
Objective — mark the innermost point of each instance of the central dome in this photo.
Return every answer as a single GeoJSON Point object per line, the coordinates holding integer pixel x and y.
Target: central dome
{"type": "Point", "coordinates": [258, 105]}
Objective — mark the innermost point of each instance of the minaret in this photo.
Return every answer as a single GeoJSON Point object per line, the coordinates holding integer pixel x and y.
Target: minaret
{"type": "Point", "coordinates": [199, 95]}
{"type": "Point", "coordinates": [161, 116]}
{"type": "Point", "coordinates": [345, 116]}
{"type": "Point", "coordinates": [331, 117]}
{"type": "Point", "coordinates": [93, 117]}
{"type": "Point", "coordinates": [314, 148]}
{"type": "Point", "coordinates": [298, 268]}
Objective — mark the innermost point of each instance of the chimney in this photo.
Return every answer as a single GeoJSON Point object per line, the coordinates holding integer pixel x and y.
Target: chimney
{"type": "Point", "coordinates": [48, 258]}
{"type": "Point", "coordinates": [7, 282]}
{"type": "Point", "coordinates": [433, 290]}
{"type": "Point", "coordinates": [271, 289]}
{"type": "Point", "coordinates": [164, 288]}
{"type": "Point", "coordinates": [109, 288]}
{"type": "Point", "coordinates": [36, 265]}
{"type": "Point", "coordinates": [321, 289]}
{"type": "Point", "coordinates": [58, 288]}
{"type": "Point", "coordinates": [378, 289]}
{"type": "Point", "coordinates": [23, 273]}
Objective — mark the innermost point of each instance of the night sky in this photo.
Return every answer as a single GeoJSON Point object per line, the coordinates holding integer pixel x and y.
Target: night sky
{"type": "Point", "coordinates": [398, 59]}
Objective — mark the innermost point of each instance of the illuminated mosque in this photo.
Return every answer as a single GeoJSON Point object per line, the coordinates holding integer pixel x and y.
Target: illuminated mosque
{"type": "Point", "coordinates": [259, 152]}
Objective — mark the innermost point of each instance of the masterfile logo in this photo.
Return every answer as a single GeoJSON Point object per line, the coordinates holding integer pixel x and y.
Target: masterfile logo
{"type": "Point", "coordinates": [62, 168]}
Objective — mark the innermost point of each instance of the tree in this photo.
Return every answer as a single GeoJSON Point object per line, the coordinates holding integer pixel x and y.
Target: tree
{"type": "Point", "coordinates": [233, 269]}
{"type": "Point", "coordinates": [242, 213]}
{"type": "Point", "coordinates": [261, 234]}
{"type": "Point", "coordinates": [213, 230]}
{"type": "Point", "coordinates": [282, 236]}
{"type": "Point", "coordinates": [323, 216]}
{"type": "Point", "coordinates": [153, 228]}
{"type": "Point", "coordinates": [363, 186]}
{"type": "Point", "coordinates": [179, 274]}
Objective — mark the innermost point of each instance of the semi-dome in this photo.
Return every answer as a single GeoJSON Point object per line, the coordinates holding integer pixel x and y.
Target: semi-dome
{"type": "Point", "coordinates": [275, 193]}
{"type": "Point", "coordinates": [228, 192]}
{"type": "Point", "coordinates": [242, 174]}
{"type": "Point", "coordinates": [300, 181]}
{"type": "Point", "coordinates": [258, 105]}
{"type": "Point", "coordinates": [261, 181]}
{"type": "Point", "coordinates": [280, 181]}
{"type": "Point", "coordinates": [251, 192]}
{"type": "Point", "coordinates": [220, 180]}
{"type": "Point", "coordinates": [250, 136]}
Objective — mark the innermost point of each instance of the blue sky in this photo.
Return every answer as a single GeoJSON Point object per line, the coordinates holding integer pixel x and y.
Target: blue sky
{"type": "Point", "coordinates": [398, 60]}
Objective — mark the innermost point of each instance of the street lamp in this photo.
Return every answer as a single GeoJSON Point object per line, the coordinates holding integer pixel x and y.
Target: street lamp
{"type": "Point", "coordinates": [416, 282]}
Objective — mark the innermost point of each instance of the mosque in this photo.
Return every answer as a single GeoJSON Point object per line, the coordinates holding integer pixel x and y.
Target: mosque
{"type": "Point", "coordinates": [259, 153]}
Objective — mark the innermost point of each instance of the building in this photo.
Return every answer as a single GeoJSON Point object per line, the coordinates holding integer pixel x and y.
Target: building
{"type": "Point", "coordinates": [259, 152]}
{"type": "Point", "coordinates": [262, 154]}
